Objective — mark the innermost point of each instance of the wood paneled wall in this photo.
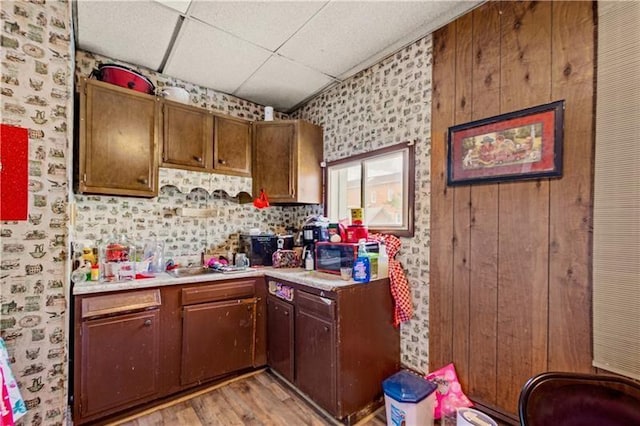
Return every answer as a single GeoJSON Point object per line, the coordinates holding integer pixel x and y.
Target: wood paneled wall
{"type": "Point", "coordinates": [510, 283]}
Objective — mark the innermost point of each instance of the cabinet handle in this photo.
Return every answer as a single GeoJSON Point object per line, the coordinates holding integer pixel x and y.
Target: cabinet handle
{"type": "Point", "coordinates": [286, 313]}
{"type": "Point", "coordinates": [147, 323]}
{"type": "Point", "coordinates": [143, 181]}
{"type": "Point", "coordinates": [326, 329]}
{"type": "Point", "coordinates": [221, 161]}
{"type": "Point", "coordinates": [198, 159]}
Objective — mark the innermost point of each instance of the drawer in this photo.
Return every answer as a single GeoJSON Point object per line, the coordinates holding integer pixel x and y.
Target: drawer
{"type": "Point", "coordinates": [110, 304]}
{"type": "Point", "coordinates": [215, 292]}
{"type": "Point", "coordinates": [320, 306]}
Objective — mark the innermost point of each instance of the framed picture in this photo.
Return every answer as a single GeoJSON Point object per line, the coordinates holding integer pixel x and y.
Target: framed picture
{"type": "Point", "coordinates": [525, 144]}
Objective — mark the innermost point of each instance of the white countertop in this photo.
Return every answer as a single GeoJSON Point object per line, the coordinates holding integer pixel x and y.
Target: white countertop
{"type": "Point", "coordinates": [320, 280]}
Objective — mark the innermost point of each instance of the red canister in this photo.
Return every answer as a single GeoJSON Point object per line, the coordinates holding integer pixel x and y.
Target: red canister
{"type": "Point", "coordinates": [356, 232]}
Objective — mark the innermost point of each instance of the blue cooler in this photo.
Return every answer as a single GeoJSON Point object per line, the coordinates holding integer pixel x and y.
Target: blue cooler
{"type": "Point", "coordinates": [409, 399]}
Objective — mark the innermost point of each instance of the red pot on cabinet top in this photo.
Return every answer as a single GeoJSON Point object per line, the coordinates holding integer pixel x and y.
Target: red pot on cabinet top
{"type": "Point", "coordinates": [124, 77]}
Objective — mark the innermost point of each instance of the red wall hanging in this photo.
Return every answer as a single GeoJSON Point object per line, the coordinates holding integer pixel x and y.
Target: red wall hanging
{"type": "Point", "coordinates": [14, 160]}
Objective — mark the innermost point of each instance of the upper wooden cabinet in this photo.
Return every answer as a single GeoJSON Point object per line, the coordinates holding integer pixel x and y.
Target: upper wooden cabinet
{"type": "Point", "coordinates": [286, 161]}
{"type": "Point", "coordinates": [197, 139]}
{"type": "Point", "coordinates": [118, 140]}
{"type": "Point", "coordinates": [232, 146]}
{"type": "Point", "coordinates": [187, 136]}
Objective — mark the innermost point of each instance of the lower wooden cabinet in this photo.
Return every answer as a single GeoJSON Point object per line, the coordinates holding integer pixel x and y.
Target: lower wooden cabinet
{"type": "Point", "coordinates": [338, 348]}
{"type": "Point", "coordinates": [121, 359]}
{"type": "Point", "coordinates": [135, 347]}
{"type": "Point", "coordinates": [280, 323]}
{"type": "Point", "coordinates": [217, 338]}
{"type": "Point", "coordinates": [315, 350]}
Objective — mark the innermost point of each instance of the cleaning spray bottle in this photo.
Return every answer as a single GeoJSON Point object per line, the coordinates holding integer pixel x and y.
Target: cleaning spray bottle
{"type": "Point", "coordinates": [362, 267]}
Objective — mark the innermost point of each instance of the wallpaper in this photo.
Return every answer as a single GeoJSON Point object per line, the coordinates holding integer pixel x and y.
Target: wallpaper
{"type": "Point", "coordinates": [36, 94]}
{"type": "Point", "coordinates": [387, 104]}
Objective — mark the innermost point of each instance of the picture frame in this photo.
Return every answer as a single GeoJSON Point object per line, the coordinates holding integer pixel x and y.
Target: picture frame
{"type": "Point", "coordinates": [519, 145]}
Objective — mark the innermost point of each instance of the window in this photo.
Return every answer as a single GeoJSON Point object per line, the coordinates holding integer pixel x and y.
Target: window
{"type": "Point", "coordinates": [381, 182]}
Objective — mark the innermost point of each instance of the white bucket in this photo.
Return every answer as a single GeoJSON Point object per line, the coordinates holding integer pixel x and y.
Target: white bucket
{"type": "Point", "coordinates": [471, 417]}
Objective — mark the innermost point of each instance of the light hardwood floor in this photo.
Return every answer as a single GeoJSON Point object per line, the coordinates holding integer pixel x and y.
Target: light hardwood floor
{"type": "Point", "coordinates": [254, 399]}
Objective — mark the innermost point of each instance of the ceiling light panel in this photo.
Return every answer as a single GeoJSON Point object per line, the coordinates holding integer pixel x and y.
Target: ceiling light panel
{"type": "Point", "coordinates": [354, 31]}
{"type": "Point", "coordinates": [213, 58]}
{"type": "Point", "coordinates": [282, 84]}
{"type": "Point", "coordinates": [265, 23]}
{"type": "Point", "coordinates": [136, 32]}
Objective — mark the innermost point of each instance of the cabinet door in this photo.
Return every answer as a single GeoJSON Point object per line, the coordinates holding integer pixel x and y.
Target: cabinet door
{"type": "Point", "coordinates": [315, 353]}
{"type": "Point", "coordinates": [232, 146]}
{"type": "Point", "coordinates": [217, 338]}
{"type": "Point", "coordinates": [120, 361]}
{"type": "Point", "coordinates": [280, 337]}
{"type": "Point", "coordinates": [274, 160]}
{"type": "Point", "coordinates": [118, 140]}
{"type": "Point", "coordinates": [188, 136]}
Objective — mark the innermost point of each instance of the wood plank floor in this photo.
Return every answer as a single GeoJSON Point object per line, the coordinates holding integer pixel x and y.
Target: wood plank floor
{"type": "Point", "coordinates": [254, 399]}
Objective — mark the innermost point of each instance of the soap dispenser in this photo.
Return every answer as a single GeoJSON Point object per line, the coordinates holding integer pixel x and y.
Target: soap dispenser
{"type": "Point", "coordinates": [308, 261]}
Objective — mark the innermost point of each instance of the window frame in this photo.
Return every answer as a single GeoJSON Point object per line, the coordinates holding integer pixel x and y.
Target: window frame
{"type": "Point", "coordinates": [408, 231]}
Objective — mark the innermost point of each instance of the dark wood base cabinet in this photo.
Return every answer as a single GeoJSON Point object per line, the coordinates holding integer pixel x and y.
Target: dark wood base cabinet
{"type": "Point", "coordinates": [138, 347]}
{"type": "Point", "coordinates": [135, 347]}
{"type": "Point", "coordinates": [335, 347]}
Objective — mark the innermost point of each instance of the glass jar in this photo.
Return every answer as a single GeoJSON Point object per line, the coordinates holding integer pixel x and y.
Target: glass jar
{"type": "Point", "coordinates": [117, 259]}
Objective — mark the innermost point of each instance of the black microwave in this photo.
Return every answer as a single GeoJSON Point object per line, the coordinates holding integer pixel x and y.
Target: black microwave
{"type": "Point", "coordinates": [330, 257]}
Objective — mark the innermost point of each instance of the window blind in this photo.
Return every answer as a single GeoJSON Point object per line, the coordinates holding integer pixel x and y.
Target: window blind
{"type": "Point", "coordinates": [616, 228]}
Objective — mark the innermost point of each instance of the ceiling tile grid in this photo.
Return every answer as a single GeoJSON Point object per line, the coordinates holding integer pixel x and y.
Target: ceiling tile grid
{"type": "Point", "coordinates": [213, 58]}
{"type": "Point", "coordinates": [278, 53]}
{"type": "Point", "coordinates": [138, 32]}
{"type": "Point", "coordinates": [282, 83]}
{"type": "Point", "coordinates": [266, 24]}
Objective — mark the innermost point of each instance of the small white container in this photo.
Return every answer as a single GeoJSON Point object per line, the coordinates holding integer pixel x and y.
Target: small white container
{"type": "Point", "coordinates": [409, 399]}
{"type": "Point", "coordinates": [177, 94]}
{"type": "Point", "coordinates": [268, 113]}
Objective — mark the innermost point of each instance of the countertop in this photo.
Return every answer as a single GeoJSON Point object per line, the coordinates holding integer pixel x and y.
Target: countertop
{"type": "Point", "coordinates": [319, 280]}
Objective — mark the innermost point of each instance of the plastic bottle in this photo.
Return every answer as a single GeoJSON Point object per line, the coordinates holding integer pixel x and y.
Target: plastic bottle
{"type": "Point", "coordinates": [373, 265]}
{"type": "Point", "coordinates": [95, 272]}
{"type": "Point", "coordinates": [308, 261]}
{"type": "Point", "coordinates": [383, 262]}
{"type": "Point", "coordinates": [361, 267]}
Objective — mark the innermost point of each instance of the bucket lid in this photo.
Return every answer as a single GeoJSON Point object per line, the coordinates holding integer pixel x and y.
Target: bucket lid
{"type": "Point", "coordinates": [471, 417]}
{"type": "Point", "coordinates": [405, 386]}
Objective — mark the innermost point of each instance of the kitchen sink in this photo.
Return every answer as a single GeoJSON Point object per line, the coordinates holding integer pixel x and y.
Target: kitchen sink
{"type": "Point", "coordinates": [191, 271]}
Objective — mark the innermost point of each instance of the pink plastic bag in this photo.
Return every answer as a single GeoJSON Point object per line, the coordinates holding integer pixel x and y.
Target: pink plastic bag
{"type": "Point", "coordinates": [449, 395]}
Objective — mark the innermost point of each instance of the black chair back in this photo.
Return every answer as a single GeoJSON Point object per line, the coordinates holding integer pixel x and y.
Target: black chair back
{"type": "Point", "coordinates": [573, 399]}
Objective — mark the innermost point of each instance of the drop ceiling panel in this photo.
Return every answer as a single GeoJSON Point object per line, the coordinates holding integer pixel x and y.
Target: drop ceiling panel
{"type": "Point", "coordinates": [179, 5]}
{"type": "Point", "coordinates": [282, 84]}
{"type": "Point", "coordinates": [213, 58]}
{"type": "Point", "coordinates": [352, 32]}
{"type": "Point", "coordinates": [136, 32]}
{"type": "Point", "coordinates": [265, 23]}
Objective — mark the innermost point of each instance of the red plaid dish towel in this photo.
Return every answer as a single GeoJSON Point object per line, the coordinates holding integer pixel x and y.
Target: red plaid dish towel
{"type": "Point", "coordinates": [403, 309]}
